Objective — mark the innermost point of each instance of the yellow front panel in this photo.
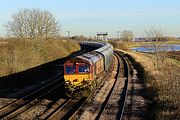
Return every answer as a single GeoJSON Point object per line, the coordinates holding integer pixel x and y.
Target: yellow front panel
{"type": "Point", "coordinates": [76, 79]}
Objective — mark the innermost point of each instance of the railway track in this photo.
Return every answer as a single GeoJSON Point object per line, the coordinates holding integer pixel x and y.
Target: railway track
{"type": "Point", "coordinates": [16, 107]}
{"type": "Point", "coordinates": [127, 75]}
{"type": "Point", "coordinates": [113, 105]}
{"type": "Point", "coordinates": [111, 108]}
{"type": "Point", "coordinates": [111, 92]}
{"type": "Point", "coordinates": [36, 90]}
{"type": "Point", "coordinates": [67, 109]}
{"type": "Point", "coordinates": [71, 107]}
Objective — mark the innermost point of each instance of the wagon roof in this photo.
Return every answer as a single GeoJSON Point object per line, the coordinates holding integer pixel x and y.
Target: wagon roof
{"type": "Point", "coordinates": [85, 59]}
{"type": "Point", "coordinates": [103, 48]}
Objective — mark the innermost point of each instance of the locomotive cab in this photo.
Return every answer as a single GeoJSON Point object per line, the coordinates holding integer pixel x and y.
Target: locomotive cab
{"type": "Point", "coordinates": [77, 73]}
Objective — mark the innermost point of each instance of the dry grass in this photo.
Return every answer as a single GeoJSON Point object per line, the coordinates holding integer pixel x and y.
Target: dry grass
{"type": "Point", "coordinates": [120, 45]}
{"type": "Point", "coordinates": [165, 82]}
{"type": "Point", "coordinates": [20, 54]}
{"type": "Point", "coordinates": [168, 81]}
{"type": "Point", "coordinates": [162, 83]}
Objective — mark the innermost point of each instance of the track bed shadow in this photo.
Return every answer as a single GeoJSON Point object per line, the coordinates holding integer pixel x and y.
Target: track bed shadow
{"type": "Point", "coordinates": [22, 83]}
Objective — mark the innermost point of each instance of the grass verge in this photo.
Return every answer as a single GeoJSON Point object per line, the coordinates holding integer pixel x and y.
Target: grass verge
{"type": "Point", "coordinates": [20, 54]}
{"type": "Point", "coordinates": [161, 84]}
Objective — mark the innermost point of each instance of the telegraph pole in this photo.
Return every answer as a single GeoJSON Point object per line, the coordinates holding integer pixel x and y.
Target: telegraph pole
{"type": "Point", "coordinates": [118, 34]}
{"type": "Point", "coordinates": [68, 32]}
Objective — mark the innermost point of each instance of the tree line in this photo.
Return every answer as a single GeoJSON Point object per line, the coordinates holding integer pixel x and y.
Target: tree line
{"type": "Point", "coordinates": [36, 23]}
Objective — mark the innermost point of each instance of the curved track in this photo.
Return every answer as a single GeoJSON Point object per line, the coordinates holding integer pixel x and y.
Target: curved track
{"type": "Point", "coordinates": [113, 105]}
{"type": "Point", "coordinates": [68, 108]}
{"type": "Point", "coordinates": [111, 108]}
{"type": "Point", "coordinates": [128, 76]}
{"type": "Point", "coordinates": [18, 106]}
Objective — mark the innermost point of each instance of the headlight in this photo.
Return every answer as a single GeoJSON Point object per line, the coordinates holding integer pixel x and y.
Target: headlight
{"type": "Point", "coordinates": [68, 82]}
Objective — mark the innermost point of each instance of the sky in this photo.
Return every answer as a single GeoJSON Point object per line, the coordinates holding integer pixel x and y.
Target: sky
{"type": "Point", "coordinates": [87, 17]}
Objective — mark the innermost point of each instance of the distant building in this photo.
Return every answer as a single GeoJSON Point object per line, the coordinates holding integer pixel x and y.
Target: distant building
{"type": "Point", "coordinates": [141, 39]}
{"type": "Point", "coordinates": [146, 39]}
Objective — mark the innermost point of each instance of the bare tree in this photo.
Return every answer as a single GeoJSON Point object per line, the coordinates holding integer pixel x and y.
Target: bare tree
{"type": "Point", "coordinates": [127, 35]}
{"type": "Point", "coordinates": [32, 23]}
{"type": "Point", "coordinates": [157, 38]}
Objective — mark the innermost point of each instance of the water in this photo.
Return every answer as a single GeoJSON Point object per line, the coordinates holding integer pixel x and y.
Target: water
{"type": "Point", "coordinates": [162, 48]}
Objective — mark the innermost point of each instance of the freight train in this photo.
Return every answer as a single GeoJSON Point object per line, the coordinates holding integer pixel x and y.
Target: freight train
{"type": "Point", "coordinates": [83, 71]}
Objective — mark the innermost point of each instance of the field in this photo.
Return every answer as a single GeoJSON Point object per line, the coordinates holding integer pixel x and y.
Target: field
{"type": "Point", "coordinates": [20, 54]}
{"type": "Point", "coordinates": [161, 83]}
{"type": "Point", "coordinates": [165, 82]}
{"type": "Point", "coordinates": [129, 45]}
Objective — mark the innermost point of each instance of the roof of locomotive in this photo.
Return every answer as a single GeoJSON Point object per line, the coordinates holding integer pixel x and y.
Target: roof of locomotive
{"type": "Point", "coordinates": [93, 56]}
{"type": "Point", "coordinates": [77, 59]}
{"type": "Point", "coordinates": [90, 57]}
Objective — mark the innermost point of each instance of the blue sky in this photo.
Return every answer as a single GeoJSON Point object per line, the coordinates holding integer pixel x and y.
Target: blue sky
{"type": "Point", "coordinates": [86, 17]}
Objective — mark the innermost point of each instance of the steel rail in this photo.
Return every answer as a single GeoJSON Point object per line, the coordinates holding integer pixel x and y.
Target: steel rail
{"type": "Point", "coordinates": [71, 117]}
{"type": "Point", "coordinates": [26, 96]}
{"type": "Point", "coordinates": [53, 113]}
{"type": "Point", "coordinates": [74, 109]}
{"type": "Point", "coordinates": [124, 92]}
{"type": "Point", "coordinates": [104, 104]}
{"type": "Point", "coordinates": [32, 96]}
{"type": "Point", "coordinates": [26, 106]}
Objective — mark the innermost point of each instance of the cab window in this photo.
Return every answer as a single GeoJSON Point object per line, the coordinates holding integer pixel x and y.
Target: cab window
{"type": "Point", "coordinates": [70, 69]}
{"type": "Point", "coordinates": [84, 69]}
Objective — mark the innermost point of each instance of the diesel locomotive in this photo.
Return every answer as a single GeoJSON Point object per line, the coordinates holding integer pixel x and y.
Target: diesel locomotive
{"type": "Point", "coordinates": [83, 71]}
